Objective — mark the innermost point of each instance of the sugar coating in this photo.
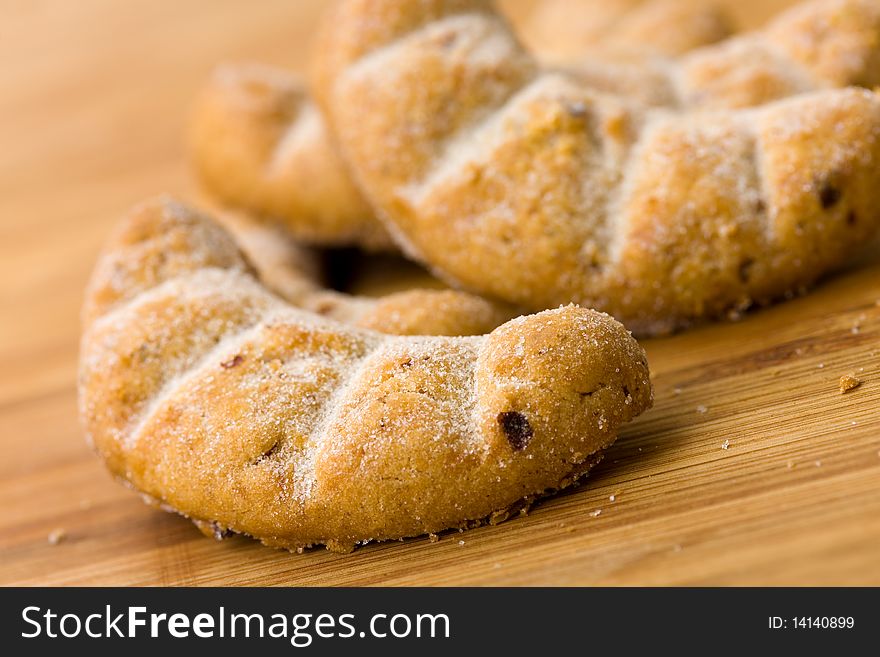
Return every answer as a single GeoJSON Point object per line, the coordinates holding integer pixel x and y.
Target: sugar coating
{"type": "Point", "coordinates": [749, 174]}
{"type": "Point", "coordinates": [259, 143]}
{"type": "Point", "coordinates": [215, 398]}
{"type": "Point", "coordinates": [565, 29]}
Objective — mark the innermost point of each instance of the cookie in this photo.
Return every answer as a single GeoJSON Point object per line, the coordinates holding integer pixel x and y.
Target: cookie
{"type": "Point", "coordinates": [526, 184]}
{"type": "Point", "coordinates": [258, 143]}
{"type": "Point", "coordinates": [215, 398]}
{"type": "Point", "coordinates": [821, 44]}
{"type": "Point", "coordinates": [565, 29]}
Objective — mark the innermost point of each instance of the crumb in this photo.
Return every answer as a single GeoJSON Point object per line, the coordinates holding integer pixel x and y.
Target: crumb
{"type": "Point", "coordinates": [676, 391]}
{"type": "Point", "coordinates": [57, 535]}
{"type": "Point", "coordinates": [857, 327]}
{"type": "Point", "coordinates": [300, 550]}
{"type": "Point", "coordinates": [702, 409]}
{"type": "Point", "coordinates": [219, 531]}
{"type": "Point", "coordinates": [595, 514]}
{"type": "Point", "coordinates": [790, 465]}
{"type": "Point", "coordinates": [725, 444]}
{"type": "Point", "coordinates": [848, 382]}
{"type": "Point", "coordinates": [612, 497]}
{"type": "Point", "coordinates": [461, 542]}
{"type": "Point", "coordinates": [818, 464]}
{"type": "Point", "coordinates": [821, 366]}
{"type": "Point", "coordinates": [433, 538]}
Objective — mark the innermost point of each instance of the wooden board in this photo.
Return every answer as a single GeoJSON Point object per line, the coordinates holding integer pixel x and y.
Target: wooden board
{"type": "Point", "coordinates": [94, 98]}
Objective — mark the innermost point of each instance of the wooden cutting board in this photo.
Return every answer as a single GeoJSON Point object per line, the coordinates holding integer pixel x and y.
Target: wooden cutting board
{"type": "Point", "coordinates": [752, 468]}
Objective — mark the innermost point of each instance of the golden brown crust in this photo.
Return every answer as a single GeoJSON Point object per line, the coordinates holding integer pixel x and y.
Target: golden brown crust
{"type": "Point", "coordinates": [217, 399]}
{"type": "Point", "coordinates": [816, 45]}
{"type": "Point", "coordinates": [566, 29]}
{"type": "Point", "coordinates": [258, 143]}
{"type": "Point", "coordinates": [529, 185]}
{"type": "Point", "coordinates": [821, 44]}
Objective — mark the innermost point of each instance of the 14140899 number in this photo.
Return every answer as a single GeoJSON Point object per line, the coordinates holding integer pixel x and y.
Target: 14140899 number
{"type": "Point", "coordinates": [811, 622]}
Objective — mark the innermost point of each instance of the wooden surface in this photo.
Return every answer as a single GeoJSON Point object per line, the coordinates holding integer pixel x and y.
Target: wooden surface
{"type": "Point", "coordinates": [94, 98]}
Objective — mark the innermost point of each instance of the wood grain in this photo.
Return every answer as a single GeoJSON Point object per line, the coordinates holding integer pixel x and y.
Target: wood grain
{"type": "Point", "coordinates": [94, 99]}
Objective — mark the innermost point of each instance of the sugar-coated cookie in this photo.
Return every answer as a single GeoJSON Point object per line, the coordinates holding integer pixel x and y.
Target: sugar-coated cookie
{"type": "Point", "coordinates": [217, 399]}
{"type": "Point", "coordinates": [533, 185]}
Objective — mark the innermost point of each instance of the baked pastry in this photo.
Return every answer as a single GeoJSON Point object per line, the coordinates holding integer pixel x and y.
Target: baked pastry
{"type": "Point", "coordinates": [292, 272]}
{"type": "Point", "coordinates": [526, 184]}
{"type": "Point", "coordinates": [257, 142]}
{"type": "Point", "coordinates": [819, 44]}
{"type": "Point", "coordinates": [212, 396]}
{"type": "Point", "coordinates": [815, 45]}
{"type": "Point", "coordinates": [565, 29]}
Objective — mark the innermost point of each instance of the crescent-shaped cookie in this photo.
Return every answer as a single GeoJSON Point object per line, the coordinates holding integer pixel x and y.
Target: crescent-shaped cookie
{"type": "Point", "coordinates": [527, 184]}
{"type": "Point", "coordinates": [258, 142]}
{"type": "Point", "coordinates": [217, 399]}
